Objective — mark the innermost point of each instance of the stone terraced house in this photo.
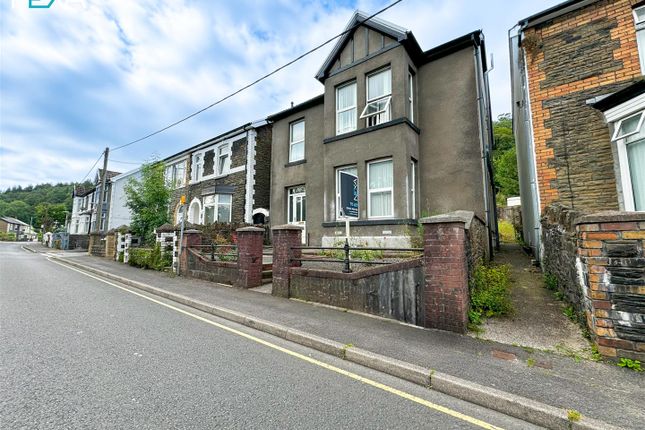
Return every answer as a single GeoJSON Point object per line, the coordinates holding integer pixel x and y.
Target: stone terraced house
{"type": "Point", "coordinates": [412, 126]}
{"type": "Point", "coordinates": [224, 179]}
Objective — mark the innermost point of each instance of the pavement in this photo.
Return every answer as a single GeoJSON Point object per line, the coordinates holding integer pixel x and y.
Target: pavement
{"type": "Point", "coordinates": [538, 321]}
{"type": "Point", "coordinates": [79, 353]}
{"type": "Point", "coordinates": [532, 385]}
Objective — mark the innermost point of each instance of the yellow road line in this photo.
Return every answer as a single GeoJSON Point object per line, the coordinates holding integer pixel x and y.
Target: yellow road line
{"type": "Point", "coordinates": [324, 365]}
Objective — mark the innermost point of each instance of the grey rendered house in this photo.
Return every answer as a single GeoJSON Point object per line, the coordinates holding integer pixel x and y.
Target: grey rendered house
{"type": "Point", "coordinates": [84, 216]}
{"type": "Point", "coordinates": [225, 179]}
{"type": "Point", "coordinates": [413, 126]}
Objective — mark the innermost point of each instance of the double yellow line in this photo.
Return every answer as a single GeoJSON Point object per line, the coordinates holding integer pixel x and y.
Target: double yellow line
{"type": "Point", "coordinates": [302, 357]}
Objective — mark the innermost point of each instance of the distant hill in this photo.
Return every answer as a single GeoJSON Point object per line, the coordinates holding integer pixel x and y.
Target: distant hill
{"type": "Point", "coordinates": [39, 204]}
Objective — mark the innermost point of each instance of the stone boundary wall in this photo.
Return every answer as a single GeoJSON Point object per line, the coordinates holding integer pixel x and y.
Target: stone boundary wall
{"type": "Point", "coordinates": [611, 253]}
{"type": "Point", "coordinates": [78, 241]}
{"type": "Point", "coordinates": [389, 291]}
{"type": "Point", "coordinates": [599, 263]}
{"type": "Point", "coordinates": [560, 251]}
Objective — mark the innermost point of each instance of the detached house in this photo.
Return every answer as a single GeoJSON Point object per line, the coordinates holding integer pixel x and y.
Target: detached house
{"type": "Point", "coordinates": [578, 105]}
{"type": "Point", "coordinates": [412, 126]}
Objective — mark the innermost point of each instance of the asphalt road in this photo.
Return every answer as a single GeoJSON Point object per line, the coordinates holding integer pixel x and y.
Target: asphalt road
{"type": "Point", "coordinates": [77, 352]}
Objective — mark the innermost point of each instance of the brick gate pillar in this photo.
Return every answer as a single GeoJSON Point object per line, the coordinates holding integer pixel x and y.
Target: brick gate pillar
{"type": "Point", "coordinates": [284, 238]}
{"type": "Point", "coordinates": [249, 258]}
{"type": "Point", "coordinates": [445, 295]}
{"type": "Point", "coordinates": [191, 238]}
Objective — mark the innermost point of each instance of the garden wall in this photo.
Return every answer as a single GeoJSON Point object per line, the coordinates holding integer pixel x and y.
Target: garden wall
{"type": "Point", "coordinates": [388, 291]}
{"type": "Point", "coordinates": [214, 271]}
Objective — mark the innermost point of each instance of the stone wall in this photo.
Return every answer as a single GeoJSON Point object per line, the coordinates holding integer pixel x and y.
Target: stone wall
{"type": "Point", "coordinates": [78, 241]}
{"type": "Point", "coordinates": [586, 53]}
{"type": "Point", "coordinates": [612, 268]}
{"type": "Point", "coordinates": [559, 251]}
{"type": "Point", "coordinates": [389, 291]}
{"type": "Point", "coordinates": [262, 196]}
{"type": "Point", "coordinates": [96, 245]}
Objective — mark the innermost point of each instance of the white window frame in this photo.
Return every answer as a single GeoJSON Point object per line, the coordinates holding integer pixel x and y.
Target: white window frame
{"type": "Point", "coordinates": [215, 205]}
{"type": "Point", "coordinates": [384, 114]}
{"type": "Point", "coordinates": [640, 31]}
{"type": "Point", "coordinates": [411, 94]}
{"type": "Point", "coordinates": [616, 136]}
{"type": "Point", "coordinates": [413, 188]}
{"type": "Point", "coordinates": [338, 170]}
{"type": "Point", "coordinates": [171, 174]}
{"type": "Point", "coordinates": [354, 108]}
{"type": "Point", "coordinates": [223, 152]}
{"type": "Point", "coordinates": [379, 190]}
{"type": "Point", "coordinates": [292, 197]}
{"type": "Point", "coordinates": [292, 142]}
{"type": "Point", "coordinates": [198, 166]}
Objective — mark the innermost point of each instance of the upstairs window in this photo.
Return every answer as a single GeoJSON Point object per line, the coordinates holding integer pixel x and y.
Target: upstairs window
{"type": "Point", "coordinates": [176, 174]}
{"type": "Point", "coordinates": [639, 20]}
{"type": "Point", "coordinates": [346, 108]}
{"type": "Point", "coordinates": [212, 162]}
{"type": "Point", "coordinates": [379, 96]}
{"type": "Point", "coordinates": [297, 141]}
{"type": "Point", "coordinates": [223, 159]}
{"type": "Point", "coordinates": [411, 95]}
{"type": "Point", "coordinates": [197, 167]}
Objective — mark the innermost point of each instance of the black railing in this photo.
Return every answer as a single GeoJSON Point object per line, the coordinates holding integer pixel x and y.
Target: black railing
{"type": "Point", "coordinates": [347, 250]}
{"type": "Point", "coordinates": [221, 252]}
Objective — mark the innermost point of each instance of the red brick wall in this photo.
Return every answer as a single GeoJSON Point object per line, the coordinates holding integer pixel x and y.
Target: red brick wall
{"type": "Point", "coordinates": [249, 262]}
{"type": "Point", "coordinates": [284, 239]}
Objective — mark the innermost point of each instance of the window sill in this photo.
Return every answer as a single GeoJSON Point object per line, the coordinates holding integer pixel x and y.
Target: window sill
{"type": "Point", "coordinates": [369, 222]}
{"type": "Point", "coordinates": [295, 163]}
{"type": "Point", "coordinates": [373, 128]}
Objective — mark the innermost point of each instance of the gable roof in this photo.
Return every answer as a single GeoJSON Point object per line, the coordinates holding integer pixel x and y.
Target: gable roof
{"type": "Point", "coordinates": [359, 18]}
{"type": "Point", "coordinates": [11, 220]}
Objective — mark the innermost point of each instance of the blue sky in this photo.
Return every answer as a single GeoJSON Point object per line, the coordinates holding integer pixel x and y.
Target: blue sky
{"type": "Point", "coordinates": [86, 74]}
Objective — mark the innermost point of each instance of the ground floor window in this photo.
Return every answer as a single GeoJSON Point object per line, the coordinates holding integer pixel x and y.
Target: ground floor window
{"type": "Point", "coordinates": [217, 208]}
{"type": "Point", "coordinates": [629, 136]}
{"type": "Point", "coordinates": [380, 181]}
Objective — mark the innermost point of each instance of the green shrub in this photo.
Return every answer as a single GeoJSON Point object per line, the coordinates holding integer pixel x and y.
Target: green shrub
{"type": "Point", "coordinates": [10, 237]}
{"type": "Point", "coordinates": [120, 257]}
{"type": "Point", "coordinates": [490, 292]}
{"type": "Point", "coordinates": [358, 254]}
{"type": "Point", "coordinates": [630, 364]}
{"type": "Point", "coordinates": [150, 258]}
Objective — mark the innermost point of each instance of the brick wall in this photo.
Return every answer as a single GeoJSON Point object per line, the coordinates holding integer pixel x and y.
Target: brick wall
{"type": "Point", "coordinates": [611, 251]}
{"type": "Point", "coordinates": [580, 55]}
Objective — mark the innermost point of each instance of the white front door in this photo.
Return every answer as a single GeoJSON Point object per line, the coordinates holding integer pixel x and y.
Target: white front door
{"type": "Point", "coordinates": [297, 209]}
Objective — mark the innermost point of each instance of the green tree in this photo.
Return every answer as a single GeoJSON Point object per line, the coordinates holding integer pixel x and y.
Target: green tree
{"type": "Point", "coordinates": [148, 200]}
{"type": "Point", "coordinates": [505, 159]}
{"type": "Point", "coordinates": [51, 216]}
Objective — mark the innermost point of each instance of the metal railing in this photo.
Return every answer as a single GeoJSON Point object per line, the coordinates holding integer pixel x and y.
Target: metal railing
{"type": "Point", "coordinates": [347, 250]}
{"type": "Point", "coordinates": [224, 253]}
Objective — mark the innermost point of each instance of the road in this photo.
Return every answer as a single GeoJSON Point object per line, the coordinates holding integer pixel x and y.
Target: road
{"type": "Point", "coordinates": [80, 352]}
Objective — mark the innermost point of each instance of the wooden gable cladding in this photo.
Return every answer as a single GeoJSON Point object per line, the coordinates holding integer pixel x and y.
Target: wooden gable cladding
{"type": "Point", "coordinates": [363, 41]}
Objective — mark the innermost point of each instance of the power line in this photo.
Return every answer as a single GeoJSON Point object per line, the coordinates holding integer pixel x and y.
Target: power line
{"type": "Point", "coordinates": [257, 80]}
{"type": "Point", "coordinates": [92, 168]}
{"type": "Point", "coordinates": [124, 162]}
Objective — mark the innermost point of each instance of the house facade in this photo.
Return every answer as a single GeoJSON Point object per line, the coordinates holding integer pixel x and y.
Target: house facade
{"type": "Point", "coordinates": [85, 206]}
{"type": "Point", "coordinates": [22, 230]}
{"type": "Point", "coordinates": [119, 214]}
{"type": "Point", "coordinates": [411, 127]}
{"type": "Point", "coordinates": [82, 204]}
{"type": "Point", "coordinates": [573, 149]}
{"type": "Point", "coordinates": [224, 179]}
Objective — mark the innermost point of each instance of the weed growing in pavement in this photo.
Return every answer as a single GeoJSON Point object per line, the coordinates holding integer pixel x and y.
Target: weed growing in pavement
{"type": "Point", "coordinates": [595, 354]}
{"type": "Point", "coordinates": [528, 349]}
{"type": "Point", "coordinates": [570, 313]}
{"type": "Point", "coordinates": [558, 296]}
{"type": "Point", "coordinates": [573, 415]}
{"type": "Point", "coordinates": [565, 350]}
{"type": "Point", "coordinates": [530, 362]}
{"type": "Point", "coordinates": [490, 293]}
{"type": "Point", "coordinates": [550, 282]}
{"type": "Point", "coordinates": [628, 363]}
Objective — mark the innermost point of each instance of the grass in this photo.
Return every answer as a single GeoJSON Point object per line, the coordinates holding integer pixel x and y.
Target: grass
{"type": "Point", "coordinates": [490, 293]}
{"type": "Point", "coordinates": [573, 415]}
{"type": "Point", "coordinates": [506, 232]}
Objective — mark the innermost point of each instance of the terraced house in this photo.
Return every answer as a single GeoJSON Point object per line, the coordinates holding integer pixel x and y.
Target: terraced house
{"type": "Point", "coordinates": [578, 109]}
{"type": "Point", "coordinates": [412, 126]}
{"type": "Point", "coordinates": [224, 179]}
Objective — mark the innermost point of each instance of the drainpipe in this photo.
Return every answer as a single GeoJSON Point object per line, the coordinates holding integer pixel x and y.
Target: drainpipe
{"type": "Point", "coordinates": [484, 154]}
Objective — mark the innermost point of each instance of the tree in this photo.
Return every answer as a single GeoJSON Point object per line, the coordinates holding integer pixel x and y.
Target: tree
{"type": "Point", "coordinates": [51, 216]}
{"type": "Point", "coordinates": [505, 159]}
{"type": "Point", "coordinates": [148, 200]}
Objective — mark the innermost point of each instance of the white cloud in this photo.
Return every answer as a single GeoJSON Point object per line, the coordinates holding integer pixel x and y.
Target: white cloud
{"type": "Point", "coordinates": [77, 79]}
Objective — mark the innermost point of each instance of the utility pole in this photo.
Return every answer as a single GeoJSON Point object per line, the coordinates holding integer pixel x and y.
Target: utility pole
{"type": "Point", "coordinates": [99, 207]}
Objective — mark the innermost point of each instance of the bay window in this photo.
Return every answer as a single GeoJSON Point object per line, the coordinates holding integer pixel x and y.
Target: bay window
{"type": "Point", "coordinates": [217, 208]}
{"type": "Point", "coordinates": [346, 108]}
{"type": "Point", "coordinates": [629, 136]}
{"type": "Point", "coordinates": [380, 181]}
{"type": "Point", "coordinates": [379, 96]}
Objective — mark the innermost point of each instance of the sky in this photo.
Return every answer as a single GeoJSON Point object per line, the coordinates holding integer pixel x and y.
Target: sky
{"type": "Point", "coordinates": [83, 75]}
